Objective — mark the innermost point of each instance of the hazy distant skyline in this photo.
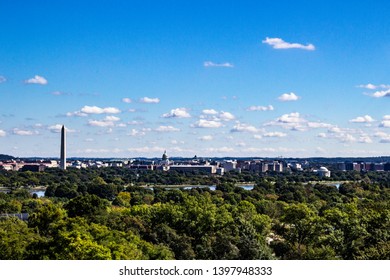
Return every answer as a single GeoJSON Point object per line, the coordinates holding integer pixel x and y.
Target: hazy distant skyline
{"type": "Point", "coordinates": [206, 78]}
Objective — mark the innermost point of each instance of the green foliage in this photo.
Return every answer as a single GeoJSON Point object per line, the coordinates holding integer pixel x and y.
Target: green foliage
{"type": "Point", "coordinates": [15, 236]}
{"type": "Point", "coordinates": [106, 214]}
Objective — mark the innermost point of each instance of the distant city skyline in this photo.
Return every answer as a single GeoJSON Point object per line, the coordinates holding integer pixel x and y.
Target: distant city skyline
{"type": "Point", "coordinates": [206, 78]}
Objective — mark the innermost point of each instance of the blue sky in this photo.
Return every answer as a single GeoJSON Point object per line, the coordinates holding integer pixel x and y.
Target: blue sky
{"type": "Point", "coordinates": [206, 78]}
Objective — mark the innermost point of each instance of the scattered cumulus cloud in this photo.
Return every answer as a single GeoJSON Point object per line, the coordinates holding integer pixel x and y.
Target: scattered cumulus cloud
{"type": "Point", "coordinates": [111, 119]}
{"type": "Point", "coordinates": [373, 87]}
{"type": "Point", "coordinates": [294, 121]}
{"type": "Point", "coordinates": [288, 97]}
{"type": "Point", "coordinates": [58, 93]}
{"type": "Point", "coordinates": [2, 79]}
{"type": "Point", "coordinates": [275, 134]}
{"type": "Point", "coordinates": [102, 123]}
{"type": "Point", "coordinates": [242, 127]}
{"type": "Point", "coordinates": [36, 80]}
{"type": "Point", "coordinates": [365, 139]}
{"type": "Point", "coordinates": [108, 121]}
{"type": "Point", "coordinates": [2, 133]}
{"type": "Point", "coordinates": [76, 114]}
{"type": "Point", "coordinates": [318, 125]}
{"type": "Point", "coordinates": [136, 132]}
{"type": "Point", "coordinates": [209, 112]}
{"type": "Point", "coordinates": [206, 138]}
{"type": "Point", "coordinates": [213, 115]}
{"type": "Point", "coordinates": [126, 100]}
{"type": "Point", "coordinates": [364, 119]}
{"type": "Point", "coordinates": [385, 122]}
{"type": "Point", "coordinates": [22, 132]}
{"type": "Point", "coordinates": [177, 113]}
{"type": "Point", "coordinates": [146, 150]}
{"type": "Point", "coordinates": [220, 150]}
{"type": "Point", "coordinates": [149, 100]}
{"type": "Point", "coordinates": [381, 93]}
{"type": "Point", "coordinates": [213, 64]}
{"type": "Point", "coordinates": [278, 43]}
{"type": "Point", "coordinates": [226, 116]}
{"type": "Point", "coordinates": [293, 118]}
{"type": "Point", "coordinates": [98, 110]}
{"type": "Point", "coordinates": [260, 108]}
{"type": "Point", "coordinates": [168, 128]}
{"type": "Point", "coordinates": [207, 124]}
{"type": "Point", "coordinates": [57, 128]}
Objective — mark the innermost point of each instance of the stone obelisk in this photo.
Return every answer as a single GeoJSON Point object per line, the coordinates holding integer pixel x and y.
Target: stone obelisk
{"type": "Point", "coordinates": [63, 149]}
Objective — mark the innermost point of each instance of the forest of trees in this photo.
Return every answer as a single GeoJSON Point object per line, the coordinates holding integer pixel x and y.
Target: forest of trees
{"type": "Point", "coordinates": [109, 214]}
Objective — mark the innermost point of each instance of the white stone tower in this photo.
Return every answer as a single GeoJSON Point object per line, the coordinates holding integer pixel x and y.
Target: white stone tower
{"type": "Point", "coordinates": [63, 149]}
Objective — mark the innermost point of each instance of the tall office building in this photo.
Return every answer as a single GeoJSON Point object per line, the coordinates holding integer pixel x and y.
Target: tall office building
{"type": "Point", "coordinates": [63, 149]}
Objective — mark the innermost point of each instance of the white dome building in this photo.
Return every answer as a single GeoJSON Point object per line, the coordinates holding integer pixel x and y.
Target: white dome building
{"type": "Point", "coordinates": [323, 172]}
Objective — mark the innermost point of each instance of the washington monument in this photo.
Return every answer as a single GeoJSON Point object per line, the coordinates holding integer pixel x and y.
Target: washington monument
{"type": "Point", "coordinates": [63, 149]}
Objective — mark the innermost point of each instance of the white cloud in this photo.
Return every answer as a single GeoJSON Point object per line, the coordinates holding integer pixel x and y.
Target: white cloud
{"type": "Point", "coordinates": [207, 124]}
{"type": "Point", "coordinates": [111, 119]}
{"type": "Point", "coordinates": [278, 43]}
{"type": "Point", "coordinates": [135, 123]}
{"type": "Point", "coordinates": [334, 129]}
{"type": "Point", "coordinates": [36, 80]}
{"type": "Point", "coordinates": [380, 93]}
{"type": "Point", "coordinates": [296, 122]}
{"type": "Point", "coordinates": [2, 133]}
{"type": "Point", "coordinates": [364, 119]}
{"type": "Point", "coordinates": [206, 138]}
{"type": "Point", "coordinates": [149, 100]}
{"type": "Point", "coordinates": [365, 139]}
{"type": "Point", "coordinates": [256, 136]}
{"type": "Point", "coordinates": [318, 125]}
{"type": "Point", "coordinates": [275, 134]}
{"type": "Point", "coordinates": [242, 127]}
{"type": "Point", "coordinates": [147, 149]}
{"type": "Point", "coordinates": [163, 128]}
{"type": "Point", "coordinates": [226, 116]}
{"type": "Point", "coordinates": [260, 108]}
{"type": "Point", "coordinates": [126, 100]}
{"type": "Point", "coordinates": [213, 64]}
{"type": "Point", "coordinates": [346, 138]}
{"type": "Point", "coordinates": [58, 93]}
{"type": "Point", "coordinates": [209, 112]}
{"type": "Point", "coordinates": [372, 87]}
{"type": "Point", "coordinates": [135, 132]}
{"type": "Point", "coordinates": [385, 139]}
{"type": "Point", "coordinates": [98, 110]}
{"type": "Point", "coordinates": [21, 132]}
{"type": "Point", "coordinates": [385, 122]}
{"type": "Point", "coordinates": [2, 79]}
{"type": "Point", "coordinates": [102, 123]}
{"type": "Point", "coordinates": [76, 114]}
{"type": "Point", "coordinates": [55, 128]}
{"type": "Point", "coordinates": [177, 113]}
{"type": "Point", "coordinates": [288, 97]}
{"type": "Point", "coordinates": [381, 134]}
{"type": "Point", "coordinates": [321, 135]}
{"type": "Point", "coordinates": [220, 150]}
{"type": "Point", "coordinates": [292, 118]}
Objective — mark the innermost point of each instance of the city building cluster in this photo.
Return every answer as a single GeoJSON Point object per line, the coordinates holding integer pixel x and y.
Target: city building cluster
{"type": "Point", "coordinates": [200, 165]}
